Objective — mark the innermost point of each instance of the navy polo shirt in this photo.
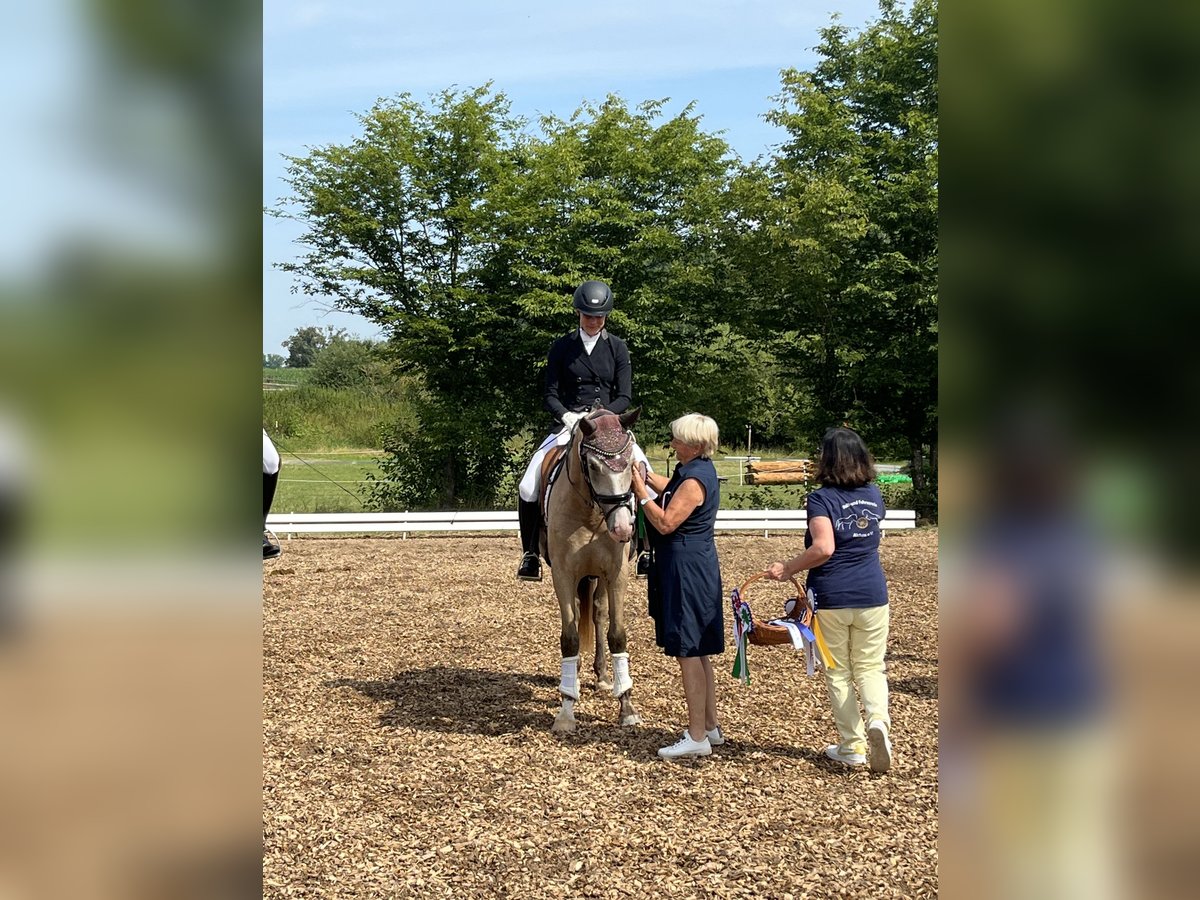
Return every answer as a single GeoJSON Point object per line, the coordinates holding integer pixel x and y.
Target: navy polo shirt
{"type": "Point", "coordinates": [853, 576]}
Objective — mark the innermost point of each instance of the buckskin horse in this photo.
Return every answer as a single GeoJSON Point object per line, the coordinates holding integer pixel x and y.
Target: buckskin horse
{"type": "Point", "coordinates": [589, 522]}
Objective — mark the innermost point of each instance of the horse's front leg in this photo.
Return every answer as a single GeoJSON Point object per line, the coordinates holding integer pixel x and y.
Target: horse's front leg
{"type": "Point", "coordinates": [568, 685]}
{"type": "Point", "coordinates": [618, 646]}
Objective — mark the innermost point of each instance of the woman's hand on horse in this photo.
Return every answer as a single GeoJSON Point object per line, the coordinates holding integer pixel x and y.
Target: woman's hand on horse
{"type": "Point", "coordinates": [638, 481]}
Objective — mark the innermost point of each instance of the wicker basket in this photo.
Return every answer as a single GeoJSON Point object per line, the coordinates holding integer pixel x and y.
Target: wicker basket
{"type": "Point", "coordinates": [766, 635]}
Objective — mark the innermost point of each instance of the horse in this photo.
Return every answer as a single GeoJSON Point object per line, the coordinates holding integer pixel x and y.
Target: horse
{"type": "Point", "coordinates": [589, 523]}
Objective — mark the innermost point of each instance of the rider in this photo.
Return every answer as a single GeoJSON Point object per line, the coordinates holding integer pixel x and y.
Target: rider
{"type": "Point", "coordinates": [587, 366]}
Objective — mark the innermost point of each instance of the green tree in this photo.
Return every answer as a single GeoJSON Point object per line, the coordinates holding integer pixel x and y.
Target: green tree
{"type": "Point", "coordinates": [840, 244]}
{"type": "Point", "coordinates": [272, 361]}
{"type": "Point", "coordinates": [305, 343]}
{"type": "Point", "coordinates": [398, 224]}
{"type": "Point", "coordinates": [345, 363]}
{"type": "Point", "coordinates": [463, 237]}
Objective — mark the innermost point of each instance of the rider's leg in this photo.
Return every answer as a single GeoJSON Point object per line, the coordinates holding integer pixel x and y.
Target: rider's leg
{"type": "Point", "coordinates": [271, 463]}
{"type": "Point", "coordinates": [529, 517]}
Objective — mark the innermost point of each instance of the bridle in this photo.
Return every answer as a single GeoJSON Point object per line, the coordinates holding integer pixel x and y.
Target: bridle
{"type": "Point", "coordinates": [608, 503]}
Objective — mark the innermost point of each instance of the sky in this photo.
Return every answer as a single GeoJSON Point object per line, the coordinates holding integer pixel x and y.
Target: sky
{"type": "Point", "coordinates": [324, 62]}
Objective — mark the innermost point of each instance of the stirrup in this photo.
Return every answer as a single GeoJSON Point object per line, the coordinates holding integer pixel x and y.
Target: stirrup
{"type": "Point", "coordinates": [530, 568]}
{"type": "Point", "coordinates": [643, 565]}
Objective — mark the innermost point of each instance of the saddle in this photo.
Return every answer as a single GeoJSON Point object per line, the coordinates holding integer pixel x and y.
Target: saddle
{"type": "Point", "coordinates": [551, 466]}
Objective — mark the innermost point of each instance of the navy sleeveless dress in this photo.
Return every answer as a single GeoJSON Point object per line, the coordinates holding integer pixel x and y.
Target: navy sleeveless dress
{"type": "Point", "coordinates": [684, 583]}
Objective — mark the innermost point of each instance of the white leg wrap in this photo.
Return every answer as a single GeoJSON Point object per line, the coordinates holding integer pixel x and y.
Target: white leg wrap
{"type": "Point", "coordinates": [621, 680]}
{"type": "Point", "coordinates": [568, 685]}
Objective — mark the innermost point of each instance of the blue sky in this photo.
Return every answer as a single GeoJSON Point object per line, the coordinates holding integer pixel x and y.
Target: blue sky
{"type": "Point", "coordinates": [323, 62]}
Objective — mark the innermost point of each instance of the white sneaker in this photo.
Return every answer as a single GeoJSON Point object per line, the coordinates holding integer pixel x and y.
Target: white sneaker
{"type": "Point", "coordinates": [715, 738]}
{"type": "Point", "coordinates": [834, 752]}
{"type": "Point", "coordinates": [879, 748]}
{"type": "Point", "coordinates": [686, 748]}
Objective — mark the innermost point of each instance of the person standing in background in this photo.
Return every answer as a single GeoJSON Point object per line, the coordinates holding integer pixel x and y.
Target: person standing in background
{"type": "Point", "coordinates": [848, 592]}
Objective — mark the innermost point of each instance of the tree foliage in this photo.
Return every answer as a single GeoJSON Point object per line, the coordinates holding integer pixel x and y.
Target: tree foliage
{"type": "Point", "coordinates": [305, 343]}
{"type": "Point", "coordinates": [346, 362]}
{"type": "Point", "coordinates": [789, 294]}
{"type": "Point", "coordinates": [844, 248]}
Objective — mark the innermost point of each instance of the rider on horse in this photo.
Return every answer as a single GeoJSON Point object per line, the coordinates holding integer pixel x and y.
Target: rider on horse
{"type": "Point", "coordinates": [586, 368]}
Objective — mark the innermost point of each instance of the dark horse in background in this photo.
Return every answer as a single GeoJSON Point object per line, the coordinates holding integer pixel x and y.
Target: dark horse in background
{"type": "Point", "coordinates": [589, 523]}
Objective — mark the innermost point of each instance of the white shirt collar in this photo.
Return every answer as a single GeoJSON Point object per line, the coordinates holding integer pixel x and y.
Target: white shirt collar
{"type": "Point", "coordinates": [589, 341]}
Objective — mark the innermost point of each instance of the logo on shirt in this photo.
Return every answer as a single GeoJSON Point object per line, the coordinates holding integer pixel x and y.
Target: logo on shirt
{"type": "Point", "coordinates": [861, 521]}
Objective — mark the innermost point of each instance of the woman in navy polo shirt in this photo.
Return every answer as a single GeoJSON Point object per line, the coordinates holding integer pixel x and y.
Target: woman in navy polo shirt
{"type": "Point", "coordinates": [849, 594]}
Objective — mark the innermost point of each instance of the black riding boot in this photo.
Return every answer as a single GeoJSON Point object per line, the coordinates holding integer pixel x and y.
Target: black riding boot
{"type": "Point", "coordinates": [643, 564]}
{"type": "Point", "coordinates": [529, 516]}
{"type": "Point", "coordinates": [271, 550]}
{"type": "Point", "coordinates": [642, 568]}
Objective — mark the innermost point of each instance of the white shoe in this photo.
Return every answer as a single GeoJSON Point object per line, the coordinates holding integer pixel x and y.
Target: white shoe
{"type": "Point", "coordinates": [715, 738]}
{"type": "Point", "coordinates": [686, 748]}
{"type": "Point", "coordinates": [834, 752]}
{"type": "Point", "coordinates": [879, 748]}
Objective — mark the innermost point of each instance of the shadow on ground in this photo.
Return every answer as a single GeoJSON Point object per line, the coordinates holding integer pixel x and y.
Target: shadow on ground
{"type": "Point", "coordinates": [481, 701]}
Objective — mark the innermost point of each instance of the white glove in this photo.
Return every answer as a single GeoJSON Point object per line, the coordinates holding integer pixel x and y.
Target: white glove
{"type": "Point", "coordinates": [570, 418]}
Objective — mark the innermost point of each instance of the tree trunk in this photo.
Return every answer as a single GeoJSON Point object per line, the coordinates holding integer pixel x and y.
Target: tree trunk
{"type": "Point", "coordinates": [917, 470]}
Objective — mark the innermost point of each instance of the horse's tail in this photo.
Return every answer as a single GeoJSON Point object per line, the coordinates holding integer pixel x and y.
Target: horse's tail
{"type": "Point", "coordinates": [587, 627]}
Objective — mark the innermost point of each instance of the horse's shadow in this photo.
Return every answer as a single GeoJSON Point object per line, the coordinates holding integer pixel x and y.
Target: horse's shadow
{"type": "Point", "coordinates": [494, 704]}
{"type": "Point", "coordinates": [448, 698]}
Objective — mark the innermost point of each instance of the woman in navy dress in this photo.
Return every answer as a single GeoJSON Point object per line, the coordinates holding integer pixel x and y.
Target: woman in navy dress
{"type": "Point", "coordinates": [684, 584]}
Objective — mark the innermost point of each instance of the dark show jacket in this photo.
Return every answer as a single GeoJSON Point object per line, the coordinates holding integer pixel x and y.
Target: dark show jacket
{"type": "Point", "coordinates": [575, 380]}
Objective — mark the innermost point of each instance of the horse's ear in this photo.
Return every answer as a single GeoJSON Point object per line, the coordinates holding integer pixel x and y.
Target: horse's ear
{"type": "Point", "coordinates": [588, 426]}
{"type": "Point", "coordinates": [628, 418]}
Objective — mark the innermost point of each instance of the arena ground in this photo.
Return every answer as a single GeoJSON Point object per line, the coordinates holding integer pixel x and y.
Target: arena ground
{"type": "Point", "coordinates": [409, 687]}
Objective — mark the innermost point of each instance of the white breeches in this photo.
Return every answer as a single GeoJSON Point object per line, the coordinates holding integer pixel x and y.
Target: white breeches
{"type": "Point", "coordinates": [270, 456]}
{"type": "Point", "coordinates": [533, 472]}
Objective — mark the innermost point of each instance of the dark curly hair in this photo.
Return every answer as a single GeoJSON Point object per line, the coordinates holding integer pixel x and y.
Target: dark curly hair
{"type": "Point", "coordinates": [845, 460]}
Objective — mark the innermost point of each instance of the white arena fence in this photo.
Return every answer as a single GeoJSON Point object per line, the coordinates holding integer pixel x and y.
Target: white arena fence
{"type": "Point", "coordinates": [764, 520]}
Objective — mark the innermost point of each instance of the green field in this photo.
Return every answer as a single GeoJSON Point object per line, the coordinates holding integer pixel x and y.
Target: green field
{"type": "Point", "coordinates": [286, 376]}
{"type": "Point", "coordinates": [318, 482]}
{"type": "Point", "coordinates": [324, 437]}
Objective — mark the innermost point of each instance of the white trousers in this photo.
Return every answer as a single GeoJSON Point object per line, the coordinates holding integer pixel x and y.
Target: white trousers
{"type": "Point", "coordinates": [270, 456]}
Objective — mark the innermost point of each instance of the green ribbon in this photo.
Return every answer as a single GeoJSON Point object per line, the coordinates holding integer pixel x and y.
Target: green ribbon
{"type": "Point", "coordinates": [742, 622]}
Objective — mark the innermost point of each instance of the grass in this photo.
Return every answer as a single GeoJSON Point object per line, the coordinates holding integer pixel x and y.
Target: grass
{"type": "Point", "coordinates": [307, 480]}
{"type": "Point", "coordinates": [286, 376]}
{"type": "Point", "coordinates": [317, 481]}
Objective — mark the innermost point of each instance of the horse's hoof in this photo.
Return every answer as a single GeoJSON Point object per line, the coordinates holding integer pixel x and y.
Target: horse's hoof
{"type": "Point", "coordinates": [631, 719]}
{"type": "Point", "coordinates": [563, 725]}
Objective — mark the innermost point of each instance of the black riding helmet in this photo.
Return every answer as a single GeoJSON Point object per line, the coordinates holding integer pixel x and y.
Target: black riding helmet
{"type": "Point", "coordinates": [594, 298]}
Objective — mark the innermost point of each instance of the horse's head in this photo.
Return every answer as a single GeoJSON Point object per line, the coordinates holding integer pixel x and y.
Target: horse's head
{"type": "Point", "coordinates": [606, 454]}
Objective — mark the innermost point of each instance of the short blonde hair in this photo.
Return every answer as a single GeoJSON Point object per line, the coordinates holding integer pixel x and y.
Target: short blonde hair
{"type": "Point", "coordinates": [697, 430]}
